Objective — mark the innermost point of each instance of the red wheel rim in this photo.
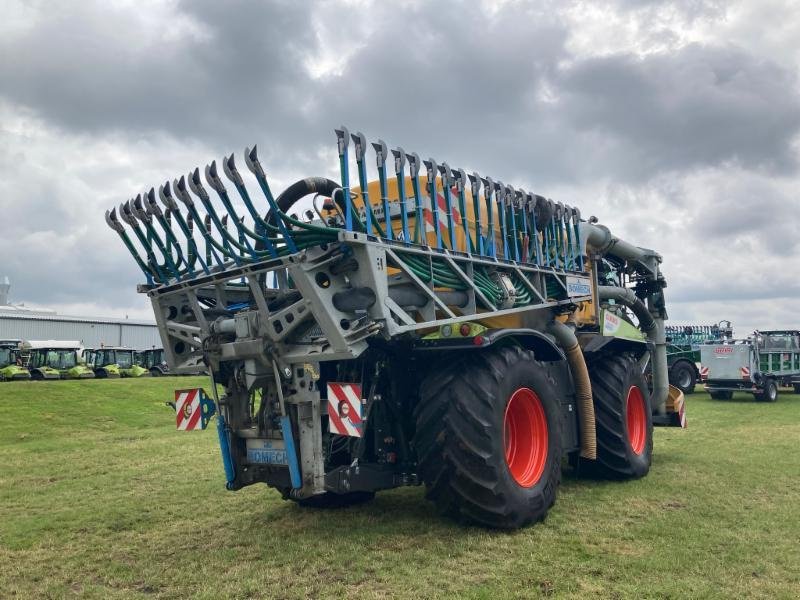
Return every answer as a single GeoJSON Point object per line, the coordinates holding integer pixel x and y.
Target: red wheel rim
{"type": "Point", "coordinates": [637, 419]}
{"type": "Point", "coordinates": [525, 437]}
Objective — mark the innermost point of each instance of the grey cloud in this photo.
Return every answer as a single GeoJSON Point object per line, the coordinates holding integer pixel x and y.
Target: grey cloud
{"type": "Point", "coordinates": [95, 68]}
{"type": "Point", "coordinates": [131, 99]}
{"type": "Point", "coordinates": [697, 107]}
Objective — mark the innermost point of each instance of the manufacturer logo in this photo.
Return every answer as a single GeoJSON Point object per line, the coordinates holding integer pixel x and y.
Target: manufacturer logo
{"type": "Point", "coordinates": [578, 286]}
{"type": "Point", "coordinates": [723, 350]}
{"type": "Point", "coordinates": [610, 323]}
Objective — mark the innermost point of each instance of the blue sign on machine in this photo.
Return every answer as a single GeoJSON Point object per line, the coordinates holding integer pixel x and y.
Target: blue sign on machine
{"type": "Point", "coordinates": [267, 452]}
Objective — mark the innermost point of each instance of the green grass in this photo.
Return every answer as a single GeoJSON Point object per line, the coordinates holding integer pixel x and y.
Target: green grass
{"type": "Point", "coordinates": [101, 497]}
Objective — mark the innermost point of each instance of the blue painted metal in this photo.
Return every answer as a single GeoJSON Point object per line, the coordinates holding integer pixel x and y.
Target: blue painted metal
{"type": "Point", "coordinates": [511, 208]}
{"type": "Point", "coordinates": [399, 169]}
{"type": "Point", "coordinates": [343, 137]}
{"type": "Point", "coordinates": [380, 157]}
{"type": "Point", "coordinates": [501, 209]}
{"type": "Point", "coordinates": [291, 452]}
{"type": "Point", "coordinates": [225, 450]}
{"type": "Point", "coordinates": [488, 188]}
{"type": "Point", "coordinates": [251, 159]}
{"type": "Point", "coordinates": [447, 182]}
{"type": "Point", "coordinates": [360, 143]}
{"type": "Point", "coordinates": [460, 182]}
{"type": "Point", "coordinates": [420, 235]}
{"type": "Point", "coordinates": [430, 165]}
{"type": "Point", "coordinates": [475, 187]}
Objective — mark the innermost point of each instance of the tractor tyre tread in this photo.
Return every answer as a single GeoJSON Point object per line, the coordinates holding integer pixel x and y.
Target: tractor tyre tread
{"type": "Point", "coordinates": [459, 438]}
{"type": "Point", "coordinates": [611, 378]}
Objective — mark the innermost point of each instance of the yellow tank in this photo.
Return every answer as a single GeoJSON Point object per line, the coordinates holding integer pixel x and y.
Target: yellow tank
{"type": "Point", "coordinates": [586, 311]}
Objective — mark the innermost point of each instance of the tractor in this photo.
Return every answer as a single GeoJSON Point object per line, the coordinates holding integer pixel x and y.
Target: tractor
{"type": "Point", "coordinates": [53, 359]}
{"type": "Point", "coordinates": [153, 360]}
{"type": "Point", "coordinates": [113, 362]}
{"type": "Point", "coordinates": [445, 330]}
{"type": "Point", "coordinates": [11, 361]}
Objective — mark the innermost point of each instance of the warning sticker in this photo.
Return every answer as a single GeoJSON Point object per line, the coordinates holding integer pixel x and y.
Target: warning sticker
{"type": "Point", "coordinates": [344, 409]}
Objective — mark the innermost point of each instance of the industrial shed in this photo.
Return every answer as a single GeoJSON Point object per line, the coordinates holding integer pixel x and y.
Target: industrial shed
{"type": "Point", "coordinates": [91, 331]}
{"type": "Point", "coordinates": [18, 322]}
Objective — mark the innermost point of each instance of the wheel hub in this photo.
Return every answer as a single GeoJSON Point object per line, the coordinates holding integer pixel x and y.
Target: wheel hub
{"type": "Point", "coordinates": [685, 379]}
{"type": "Point", "coordinates": [637, 419]}
{"type": "Point", "coordinates": [525, 437]}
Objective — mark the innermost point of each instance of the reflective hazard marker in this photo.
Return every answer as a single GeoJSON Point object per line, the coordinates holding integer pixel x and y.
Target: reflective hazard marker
{"type": "Point", "coordinates": [344, 409]}
{"type": "Point", "coordinates": [193, 409]}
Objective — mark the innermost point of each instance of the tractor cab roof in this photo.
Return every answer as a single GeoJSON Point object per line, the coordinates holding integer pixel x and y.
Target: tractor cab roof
{"type": "Point", "coordinates": [51, 345]}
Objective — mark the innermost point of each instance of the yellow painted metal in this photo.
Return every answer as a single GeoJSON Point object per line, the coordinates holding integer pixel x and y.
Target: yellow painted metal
{"type": "Point", "coordinates": [586, 313]}
{"type": "Point", "coordinates": [373, 189]}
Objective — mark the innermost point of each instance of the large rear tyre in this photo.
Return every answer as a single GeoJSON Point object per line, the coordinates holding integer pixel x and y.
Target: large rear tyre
{"type": "Point", "coordinates": [488, 438]}
{"type": "Point", "coordinates": [623, 418]}
{"type": "Point", "coordinates": [683, 376]}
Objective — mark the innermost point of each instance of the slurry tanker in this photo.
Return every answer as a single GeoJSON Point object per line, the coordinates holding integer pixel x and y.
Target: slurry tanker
{"type": "Point", "coordinates": [440, 329]}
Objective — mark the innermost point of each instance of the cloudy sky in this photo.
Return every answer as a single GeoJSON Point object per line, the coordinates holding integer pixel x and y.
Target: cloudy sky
{"type": "Point", "coordinates": [676, 123]}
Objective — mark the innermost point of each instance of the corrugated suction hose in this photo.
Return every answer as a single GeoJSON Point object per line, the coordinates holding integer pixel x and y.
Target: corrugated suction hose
{"type": "Point", "coordinates": [565, 337]}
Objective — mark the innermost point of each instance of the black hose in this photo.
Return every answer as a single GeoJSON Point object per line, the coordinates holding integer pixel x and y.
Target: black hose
{"type": "Point", "coordinates": [299, 190]}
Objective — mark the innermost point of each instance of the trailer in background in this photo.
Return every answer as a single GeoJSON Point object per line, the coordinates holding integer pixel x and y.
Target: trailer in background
{"type": "Point", "coordinates": [683, 351]}
{"type": "Point", "coordinates": [759, 365]}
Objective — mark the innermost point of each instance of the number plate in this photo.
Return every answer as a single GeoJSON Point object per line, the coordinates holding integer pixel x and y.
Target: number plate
{"type": "Point", "coordinates": [266, 452]}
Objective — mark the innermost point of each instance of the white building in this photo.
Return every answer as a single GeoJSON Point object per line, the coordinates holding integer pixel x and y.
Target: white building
{"type": "Point", "coordinates": [20, 322]}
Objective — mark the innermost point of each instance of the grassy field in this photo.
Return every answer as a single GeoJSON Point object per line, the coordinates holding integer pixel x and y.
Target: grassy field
{"type": "Point", "coordinates": [100, 497]}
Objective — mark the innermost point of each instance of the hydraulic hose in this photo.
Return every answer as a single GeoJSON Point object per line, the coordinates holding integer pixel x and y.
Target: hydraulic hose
{"type": "Point", "coordinates": [301, 189]}
{"type": "Point", "coordinates": [565, 337]}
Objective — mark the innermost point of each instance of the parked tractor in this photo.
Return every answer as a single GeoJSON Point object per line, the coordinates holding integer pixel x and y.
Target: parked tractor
{"type": "Point", "coordinates": [11, 364]}
{"type": "Point", "coordinates": [449, 331]}
{"type": "Point", "coordinates": [154, 361]}
{"type": "Point", "coordinates": [683, 351]}
{"type": "Point", "coordinates": [112, 362]}
{"type": "Point", "coordinates": [759, 364]}
{"type": "Point", "coordinates": [54, 359]}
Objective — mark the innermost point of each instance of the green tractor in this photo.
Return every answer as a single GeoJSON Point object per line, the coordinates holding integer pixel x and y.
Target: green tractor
{"type": "Point", "coordinates": [52, 359]}
{"type": "Point", "coordinates": [11, 363]}
{"type": "Point", "coordinates": [154, 361]}
{"type": "Point", "coordinates": [113, 362]}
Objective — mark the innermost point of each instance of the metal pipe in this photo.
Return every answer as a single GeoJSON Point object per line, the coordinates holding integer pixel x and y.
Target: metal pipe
{"type": "Point", "coordinates": [604, 242]}
{"type": "Point", "coordinates": [565, 337]}
{"type": "Point", "coordinates": [407, 295]}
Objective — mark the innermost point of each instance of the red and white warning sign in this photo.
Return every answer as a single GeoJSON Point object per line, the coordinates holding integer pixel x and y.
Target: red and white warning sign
{"type": "Point", "coordinates": [344, 409]}
{"type": "Point", "coordinates": [188, 410]}
{"type": "Point", "coordinates": [441, 205]}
